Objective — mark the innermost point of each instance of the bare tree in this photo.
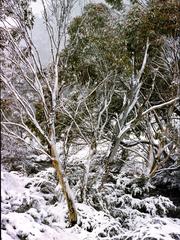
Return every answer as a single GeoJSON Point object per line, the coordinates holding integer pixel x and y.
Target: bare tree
{"type": "Point", "coordinates": [89, 118]}
{"type": "Point", "coordinates": [22, 57]}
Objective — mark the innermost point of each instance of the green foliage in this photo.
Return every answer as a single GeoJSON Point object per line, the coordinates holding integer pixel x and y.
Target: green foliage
{"type": "Point", "coordinates": [100, 44]}
{"type": "Point", "coordinates": [96, 46]}
{"type": "Point", "coordinates": [156, 21]}
{"type": "Point", "coordinates": [163, 17]}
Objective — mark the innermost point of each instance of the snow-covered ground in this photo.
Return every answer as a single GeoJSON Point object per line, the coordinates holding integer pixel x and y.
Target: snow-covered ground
{"type": "Point", "coordinates": [33, 208]}
{"type": "Point", "coordinates": [27, 213]}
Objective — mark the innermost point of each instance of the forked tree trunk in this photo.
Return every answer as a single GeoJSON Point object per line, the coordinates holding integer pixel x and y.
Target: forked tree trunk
{"type": "Point", "coordinates": [65, 187]}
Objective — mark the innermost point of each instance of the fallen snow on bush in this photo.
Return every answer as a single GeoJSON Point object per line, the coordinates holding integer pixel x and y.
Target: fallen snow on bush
{"type": "Point", "coordinates": [33, 209]}
{"type": "Point", "coordinates": [27, 214]}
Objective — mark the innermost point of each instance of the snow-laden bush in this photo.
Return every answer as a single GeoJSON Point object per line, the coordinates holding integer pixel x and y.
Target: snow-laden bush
{"type": "Point", "coordinates": [148, 228]}
{"type": "Point", "coordinates": [137, 186]}
{"type": "Point", "coordinates": [119, 209]}
{"type": "Point", "coordinates": [152, 205]}
{"type": "Point", "coordinates": [27, 212]}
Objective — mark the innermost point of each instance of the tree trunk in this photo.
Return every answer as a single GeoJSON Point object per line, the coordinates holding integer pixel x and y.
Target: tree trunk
{"type": "Point", "coordinates": [65, 187]}
{"type": "Point", "coordinates": [92, 151]}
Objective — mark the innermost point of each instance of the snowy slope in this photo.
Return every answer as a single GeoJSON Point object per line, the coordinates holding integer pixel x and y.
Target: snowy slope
{"type": "Point", "coordinates": [27, 214]}
{"type": "Point", "coordinates": [33, 208]}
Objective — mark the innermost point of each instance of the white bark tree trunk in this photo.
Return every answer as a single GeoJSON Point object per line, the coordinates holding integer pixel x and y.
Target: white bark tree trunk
{"type": "Point", "coordinates": [64, 186]}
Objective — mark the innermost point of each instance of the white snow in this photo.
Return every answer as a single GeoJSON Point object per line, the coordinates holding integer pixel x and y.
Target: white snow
{"type": "Point", "coordinates": [42, 221]}
{"type": "Point", "coordinates": [28, 213]}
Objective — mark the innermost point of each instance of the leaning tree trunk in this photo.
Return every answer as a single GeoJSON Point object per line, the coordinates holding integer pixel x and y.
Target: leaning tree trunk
{"type": "Point", "coordinates": [54, 154]}
{"type": "Point", "coordinates": [65, 186]}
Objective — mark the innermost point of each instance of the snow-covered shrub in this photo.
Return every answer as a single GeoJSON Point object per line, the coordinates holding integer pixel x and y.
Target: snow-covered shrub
{"type": "Point", "coordinates": [137, 186]}
{"type": "Point", "coordinates": [151, 205]}
{"type": "Point", "coordinates": [148, 228]}
{"type": "Point", "coordinates": [101, 224]}
{"type": "Point", "coordinates": [27, 212]}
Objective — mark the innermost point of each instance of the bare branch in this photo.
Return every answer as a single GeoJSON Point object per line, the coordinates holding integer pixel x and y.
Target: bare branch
{"type": "Point", "coordinates": [160, 106]}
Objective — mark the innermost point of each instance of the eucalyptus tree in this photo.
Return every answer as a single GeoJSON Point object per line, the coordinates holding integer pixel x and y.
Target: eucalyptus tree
{"type": "Point", "coordinates": [107, 44]}
{"type": "Point", "coordinates": [159, 23]}
{"type": "Point", "coordinates": [28, 83]}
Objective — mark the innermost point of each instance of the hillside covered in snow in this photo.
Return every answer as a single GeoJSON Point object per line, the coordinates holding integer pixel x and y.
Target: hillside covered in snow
{"type": "Point", "coordinates": [90, 120]}
{"type": "Point", "coordinates": [33, 207]}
